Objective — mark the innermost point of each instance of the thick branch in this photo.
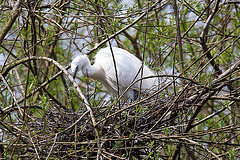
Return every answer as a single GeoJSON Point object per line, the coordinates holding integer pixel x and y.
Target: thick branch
{"type": "Point", "coordinates": [9, 24]}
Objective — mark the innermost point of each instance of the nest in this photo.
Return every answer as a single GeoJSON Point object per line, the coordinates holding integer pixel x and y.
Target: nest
{"type": "Point", "coordinates": [67, 134]}
{"type": "Point", "coordinates": [146, 128]}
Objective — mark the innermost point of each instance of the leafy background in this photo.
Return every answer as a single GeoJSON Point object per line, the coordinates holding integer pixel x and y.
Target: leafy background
{"type": "Point", "coordinates": [193, 47]}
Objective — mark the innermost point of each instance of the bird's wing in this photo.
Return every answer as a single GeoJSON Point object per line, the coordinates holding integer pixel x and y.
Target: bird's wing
{"type": "Point", "coordinates": [127, 66]}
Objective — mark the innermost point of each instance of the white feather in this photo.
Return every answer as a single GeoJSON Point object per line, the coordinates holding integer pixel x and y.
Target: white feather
{"type": "Point", "coordinates": [127, 65]}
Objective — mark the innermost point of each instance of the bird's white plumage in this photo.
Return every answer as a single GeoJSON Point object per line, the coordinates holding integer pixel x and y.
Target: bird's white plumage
{"type": "Point", "coordinates": [128, 68]}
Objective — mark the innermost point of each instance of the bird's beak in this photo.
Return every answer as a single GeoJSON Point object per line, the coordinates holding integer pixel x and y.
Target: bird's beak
{"type": "Point", "coordinates": [74, 76]}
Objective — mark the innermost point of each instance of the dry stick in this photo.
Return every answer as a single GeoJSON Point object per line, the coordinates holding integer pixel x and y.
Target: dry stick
{"type": "Point", "coordinates": [14, 98]}
{"type": "Point", "coordinates": [200, 145]}
{"type": "Point", "coordinates": [51, 20]}
{"type": "Point", "coordinates": [7, 27]}
{"type": "Point", "coordinates": [224, 75]}
{"type": "Point", "coordinates": [212, 84]}
{"type": "Point", "coordinates": [20, 110]}
{"type": "Point", "coordinates": [229, 98]}
{"type": "Point", "coordinates": [115, 156]}
{"type": "Point", "coordinates": [19, 81]}
{"type": "Point", "coordinates": [208, 117]}
{"type": "Point", "coordinates": [55, 138]}
{"type": "Point", "coordinates": [31, 140]}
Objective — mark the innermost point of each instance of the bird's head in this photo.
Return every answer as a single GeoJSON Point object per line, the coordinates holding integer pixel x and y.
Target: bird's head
{"type": "Point", "coordinates": [78, 63]}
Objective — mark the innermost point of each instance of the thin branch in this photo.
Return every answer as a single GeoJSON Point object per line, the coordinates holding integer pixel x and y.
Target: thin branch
{"type": "Point", "coordinates": [55, 138]}
{"type": "Point", "coordinates": [202, 146]}
{"type": "Point", "coordinates": [178, 36]}
{"type": "Point", "coordinates": [36, 90]}
{"type": "Point", "coordinates": [13, 96]}
{"type": "Point", "coordinates": [203, 39]}
{"type": "Point", "coordinates": [125, 28]}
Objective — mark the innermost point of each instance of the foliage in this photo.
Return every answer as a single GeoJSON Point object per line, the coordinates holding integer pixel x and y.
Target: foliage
{"type": "Point", "coordinates": [193, 46]}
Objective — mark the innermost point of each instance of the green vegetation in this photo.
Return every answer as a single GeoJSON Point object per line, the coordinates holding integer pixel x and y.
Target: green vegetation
{"type": "Point", "coordinates": [194, 113]}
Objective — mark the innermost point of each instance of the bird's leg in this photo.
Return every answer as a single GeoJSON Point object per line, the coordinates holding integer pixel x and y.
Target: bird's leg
{"type": "Point", "coordinates": [135, 94]}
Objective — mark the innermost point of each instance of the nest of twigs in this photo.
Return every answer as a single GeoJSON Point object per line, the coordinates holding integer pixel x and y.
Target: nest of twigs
{"type": "Point", "coordinates": [142, 129]}
{"type": "Point", "coordinates": [66, 134]}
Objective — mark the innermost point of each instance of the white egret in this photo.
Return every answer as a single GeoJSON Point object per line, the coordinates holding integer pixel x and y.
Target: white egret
{"type": "Point", "coordinates": [128, 69]}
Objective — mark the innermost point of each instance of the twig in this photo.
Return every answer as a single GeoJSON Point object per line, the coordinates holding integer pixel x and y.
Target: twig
{"type": "Point", "coordinates": [31, 140]}
{"type": "Point", "coordinates": [55, 138]}
{"type": "Point", "coordinates": [125, 28]}
{"type": "Point", "coordinates": [178, 36]}
{"type": "Point", "coordinates": [233, 68]}
{"type": "Point", "coordinates": [7, 27]}
{"type": "Point", "coordinates": [203, 38]}
{"type": "Point", "coordinates": [10, 90]}
{"type": "Point", "coordinates": [8, 68]}
{"type": "Point", "coordinates": [35, 90]}
{"type": "Point", "coordinates": [196, 143]}
{"type": "Point", "coordinates": [208, 117]}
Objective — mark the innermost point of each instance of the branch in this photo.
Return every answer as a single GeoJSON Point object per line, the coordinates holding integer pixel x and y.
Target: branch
{"type": "Point", "coordinates": [134, 43]}
{"type": "Point", "coordinates": [7, 27]}
{"type": "Point", "coordinates": [203, 39]}
{"type": "Point", "coordinates": [16, 63]}
{"type": "Point", "coordinates": [208, 117]}
{"type": "Point", "coordinates": [200, 145]}
{"type": "Point", "coordinates": [14, 98]}
{"type": "Point", "coordinates": [178, 36]}
{"type": "Point", "coordinates": [123, 29]}
{"type": "Point", "coordinates": [224, 75]}
{"type": "Point", "coordinates": [35, 90]}
{"type": "Point", "coordinates": [8, 68]}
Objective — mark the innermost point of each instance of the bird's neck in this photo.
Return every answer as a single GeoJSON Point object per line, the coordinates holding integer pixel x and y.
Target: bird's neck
{"type": "Point", "coordinates": [86, 70]}
{"type": "Point", "coordinates": [90, 71]}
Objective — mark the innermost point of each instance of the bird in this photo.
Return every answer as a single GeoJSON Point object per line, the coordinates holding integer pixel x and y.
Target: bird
{"type": "Point", "coordinates": [127, 66]}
